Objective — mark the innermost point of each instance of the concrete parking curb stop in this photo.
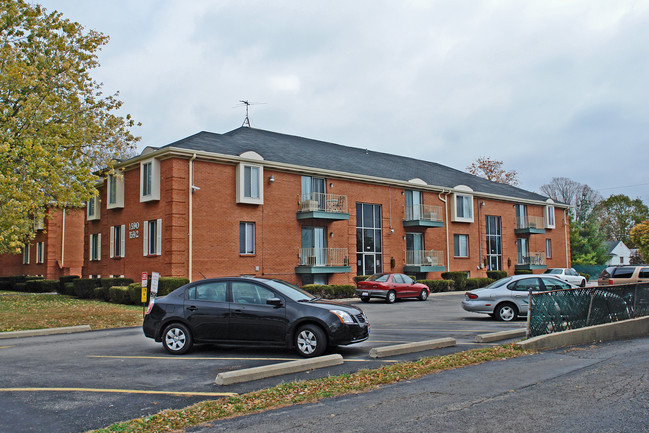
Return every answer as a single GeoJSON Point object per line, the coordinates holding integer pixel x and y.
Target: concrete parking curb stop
{"type": "Point", "coordinates": [265, 371]}
{"type": "Point", "coordinates": [47, 331]}
{"type": "Point", "coordinates": [502, 335]}
{"type": "Point", "coordinates": [632, 328]}
{"type": "Point", "coordinates": [419, 346]}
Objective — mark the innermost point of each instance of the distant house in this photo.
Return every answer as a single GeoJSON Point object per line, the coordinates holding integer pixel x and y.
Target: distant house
{"type": "Point", "coordinates": [619, 253]}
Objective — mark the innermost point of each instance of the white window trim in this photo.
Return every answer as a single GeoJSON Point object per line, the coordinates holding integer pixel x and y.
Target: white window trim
{"type": "Point", "coordinates": [97, 211]}
{"type": "Point", "coordinates": [27, 249]}
{"type": "Point", "coordinates": [39, 223]}
{"type": "Point", "coordinates": [122, 238]}
{"type": "Point", "coordinates": [548, 248]}
{"type": "Point", "coordinates": [155, 180]}
{"type": "Point", "coordinates": [90, 256]}
{"type": "Point", "coordinates": [40, 252]}
{"type": "Point", "coordinates": [254, 234]}
{"type": "Point", "coordinates": [241, 182]}
{"type": "Point", "coordinates": [145, 237]}
{"type": "Point", "coordinates": [454, 216]}
{"type": "Point", "coordinates": [550, 222]}
{"type": "Point", "coordinates": [119, 191]}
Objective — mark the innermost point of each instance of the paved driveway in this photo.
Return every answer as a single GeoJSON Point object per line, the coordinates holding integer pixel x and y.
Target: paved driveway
{"type": "Point", "coordinates": [69, 383]}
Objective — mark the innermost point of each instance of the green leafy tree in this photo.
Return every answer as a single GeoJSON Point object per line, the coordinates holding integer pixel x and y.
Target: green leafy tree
{"type": "Point", "coordinates": [640, 237]}
{"type": "Point", "coordinates": [56, 126]}
{"type": "Point", "coordinates": [587, 243]}
{"type": "Point", "coordinates": [618, 214]}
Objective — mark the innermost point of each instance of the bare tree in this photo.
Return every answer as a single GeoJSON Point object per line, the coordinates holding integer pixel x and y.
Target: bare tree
{"type": "Point", "coordinates": [582, 197]}
{"type": "Point", "coordinates": [492, 170]}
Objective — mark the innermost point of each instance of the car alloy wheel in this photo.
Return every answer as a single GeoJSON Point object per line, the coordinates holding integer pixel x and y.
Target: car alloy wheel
{"type": "Point", "coordinates": [391, 297]}
{"type": "Point", "coordinates": [310, 341]}
{"type": "Point", "coordinates": [177, 339]}
{"type": "Point", "coordinates": [506, 312]}
{"type": "Point", "coordinates": [423, 295]}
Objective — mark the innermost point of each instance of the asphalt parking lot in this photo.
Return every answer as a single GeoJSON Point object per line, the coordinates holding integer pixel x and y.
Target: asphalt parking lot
{"type": "Point", "coordinates": [77, 382]}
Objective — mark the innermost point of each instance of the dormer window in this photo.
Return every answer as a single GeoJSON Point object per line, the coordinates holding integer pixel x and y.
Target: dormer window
{"type": "Point", "coordinates": [250, 188]}
{"type": "Point", "coordinates": [462, 205]}
{"type": "Point", "coordinates": [150, 180]}
{"type": "Point", "coordinates": [115, 192]}
{"type": "Point", "coordinates": [93, 209]}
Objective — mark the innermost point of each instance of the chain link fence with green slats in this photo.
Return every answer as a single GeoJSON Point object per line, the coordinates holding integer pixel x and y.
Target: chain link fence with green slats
{"type": "Point", "coordinates": [561, 310]}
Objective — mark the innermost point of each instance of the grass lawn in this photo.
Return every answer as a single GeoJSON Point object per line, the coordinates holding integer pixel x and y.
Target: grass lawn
{"type": "Point", "coordinates": [21, 311]}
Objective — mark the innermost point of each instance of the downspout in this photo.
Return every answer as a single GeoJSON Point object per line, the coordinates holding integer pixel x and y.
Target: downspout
{"type": "Point", "coordinates": [448, 251]}
{"type": "Point", "coordinates": [565, 235]}
{"type": "Point", "coordinates": [63, 241]}
{"type": "Point", "coordinates": [191, 220]}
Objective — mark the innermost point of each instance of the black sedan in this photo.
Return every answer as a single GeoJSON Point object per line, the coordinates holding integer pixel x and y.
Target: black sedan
{"type": "Point", "coordinates": [252, 311]}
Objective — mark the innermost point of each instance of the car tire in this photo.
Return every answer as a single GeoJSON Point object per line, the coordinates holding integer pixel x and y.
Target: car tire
{"type": "Point", "coordinates": [391, 297]}
{"type": "Point", "coordinates": [177, 339]}
{"type": "Point", "coordinates": [310, 341]}
{"type": "Point", "coordinates": [506, 312]}
{"type": "Point", "coordinates": [423, 295]}
{"type": "Point", "coordinates": [365, 299]}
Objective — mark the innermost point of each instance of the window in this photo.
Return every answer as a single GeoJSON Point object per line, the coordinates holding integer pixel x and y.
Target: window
{"type": "Point", "coordinates": [93, 209]}
{"type": "Point", "coordinates": [414, 208]}
{"type": "Point", "coordinates": [40, 252]}
{"type": "Point", "coordinates": [548, 248]}
{"type": "Point", "coordinates": [415, 249]}
{"type": "Point", "coordinates": [369, 245]}
{"type": "Point", "coordinates": [462, 208]}
{"type": "Point", "coordinates": [246, 238]}
{"type": "Point", "coordinates": [494, 243]}
{"type": "Point", "coordinates": [215, 292]}
{"type": "Point", "coordinates": [152, 237]}
{"type": "Point", "coordinates": [115, 194]}
{"type": "Point", "coordinates": [644, 273]}
{"type": "Point", "coordinates": [248, 293]}
{"type": "Point", "coordinates": [523, 251]}
{"type": "Point", "coordinates": [552, 284]}
{"type": "Point", "coordinates": [95, 247]}
{"type": "Point", "coordinates": [314, 246]}
{"type": "Point", "coordinates": [39, 223]}
{"type": "Point", "coordinates": [26, 254]}
{"type": "Point", "coordinates": [521, 216]}
{"type": "Point", "coordinates": [525, 285]}
{"type": "Point", "coordinates": [549, 217]}
{"type": "Point", "coordinates": [249, 184]}
{"type": "Point", "coordinates": [461, 245]}
{"type": "Point", "coordinates": [150, 180]}
{"type": "Point", "coordinates": [117, 235]}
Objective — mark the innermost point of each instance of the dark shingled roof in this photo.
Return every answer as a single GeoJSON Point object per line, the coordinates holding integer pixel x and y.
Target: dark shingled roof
{"type": "Point", "coordinates": [300, 151]}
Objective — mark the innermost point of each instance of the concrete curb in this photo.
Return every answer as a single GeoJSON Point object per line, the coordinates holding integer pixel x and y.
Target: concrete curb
{"type": "Point", "coordinates": [501, 335]}
{"type": "Point", "coordinates": [419, 346]}
{"type": "Point", "coordinates": [632, 328]}
{"type": "Point", "coordinates": [255, 373]}
{"type": "Point", "coordinates": [47, 331]}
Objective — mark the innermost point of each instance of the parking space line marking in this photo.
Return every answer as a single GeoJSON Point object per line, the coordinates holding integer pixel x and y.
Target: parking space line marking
{"type": "Point", "coordinates": [369, 360]}
{"type": "Point", "coordinates": [185, 358]}
{"type": "Point", "coordinates": [5, 347]}
{"type": "Point", "coordinates": [123, 391]}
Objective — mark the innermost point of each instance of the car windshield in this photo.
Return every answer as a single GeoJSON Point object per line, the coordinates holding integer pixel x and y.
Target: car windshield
{"type": "Point", "coordinates": [553, 271]}
{"type": "Point", "coordinates": [378, 277]}
{"type": "Point", "coordinates": [499, 283]}
{"type": "Point", "coordinates": [290, 291]}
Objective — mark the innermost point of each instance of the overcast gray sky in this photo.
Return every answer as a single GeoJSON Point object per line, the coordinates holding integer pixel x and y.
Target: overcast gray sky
{"type": "Point", "coordinates": [551, 87]}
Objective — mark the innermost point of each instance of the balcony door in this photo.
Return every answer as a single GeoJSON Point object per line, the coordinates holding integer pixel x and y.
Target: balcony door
{"type": "Point", "coordinates": [523, 250]}
{"type": "Point", "coordinates": [414, 248]}
{"type": "Point", "coordinates": [413, 205]}
{"type": "Point", "coordinates": [313, 187]}
{"type": "Point", "coordinates": [314, 246]}
{"type": "Point", "coordinates": [521, 216]}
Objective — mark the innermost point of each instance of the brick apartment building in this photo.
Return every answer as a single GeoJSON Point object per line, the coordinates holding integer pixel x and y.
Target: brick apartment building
{"type": "Point", "coordinates": [57, 249]}
{"type": "Point", "coordinates": [254, 202]}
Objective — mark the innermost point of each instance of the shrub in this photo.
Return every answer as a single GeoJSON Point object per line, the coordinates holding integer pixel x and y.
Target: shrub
{"type": "Point", "coordinates": [99, 293]}
{"type": "Point", "coordinates": [475, 283]}
{"type": "Point", "coordinates": [587, 276]}
{"type": "Point", "coordinates": [119, 294]}
{"type": "Point", "coordinates": [63, 281]}
{"type": "Point", "coordinates": [41, 286]}
{"type": "Point", "coordinates": [135, 293]}
{"type": "Point", "coordinates": [496, 275]}
{"type": "Point", "coordinates": [84, 288]}
{"type": "Point", "coordinates": [16, 279]}
{"type": "Point", "coordinates": [167, 285]}
{"type": "Point", "coordinates": [19, 287]}
{"type": "Point", "coordinates": [68, 289]}
{"type": "Point", "coordinates": [331, 291]}
{"type": "Point", "coordinates": [5, 284]}
{"type": "Point", "coordinates": [459, 279]}
{"type": "Point", "coordinates": [523, 272]}
{"type": "Point", "coordinates": [437, 286]}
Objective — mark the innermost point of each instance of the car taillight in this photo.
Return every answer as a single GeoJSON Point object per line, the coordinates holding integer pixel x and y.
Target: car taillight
{"type": "Point", "coordinates": [610, 282]}
{"type": "Point", "coordinates": [471, 296]}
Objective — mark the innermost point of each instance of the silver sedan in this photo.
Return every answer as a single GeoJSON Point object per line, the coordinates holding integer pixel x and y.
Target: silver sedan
{"type": "Point", "coordinates": [508, 297]}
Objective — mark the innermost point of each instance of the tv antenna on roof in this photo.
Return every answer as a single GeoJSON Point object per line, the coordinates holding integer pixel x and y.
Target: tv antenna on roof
{"type": "Point", "coordinates": [246, 121]}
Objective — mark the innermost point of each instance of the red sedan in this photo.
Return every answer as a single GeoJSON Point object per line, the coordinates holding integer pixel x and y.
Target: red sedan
{"type": "Point", "coordinates": [391, 287]}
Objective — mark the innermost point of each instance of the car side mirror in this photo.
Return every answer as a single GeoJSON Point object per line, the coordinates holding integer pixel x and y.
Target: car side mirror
{"type": "Point", "coordinates": [274, 301]}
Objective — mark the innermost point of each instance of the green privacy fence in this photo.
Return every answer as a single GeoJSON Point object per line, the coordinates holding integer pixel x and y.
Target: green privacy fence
{"type": "Point", "coordinates": [592, 270]}
{"type": "Point", "coordinates": [561, 310]}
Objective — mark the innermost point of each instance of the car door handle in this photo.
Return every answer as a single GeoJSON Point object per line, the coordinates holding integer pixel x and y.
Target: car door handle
{"type": "Point", "coordinates": [192, 308]}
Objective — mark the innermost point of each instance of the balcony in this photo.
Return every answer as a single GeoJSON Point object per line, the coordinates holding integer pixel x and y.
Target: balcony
{"type": "Point", "coordinates": [529, 225]}
{"type": "Point", "coordinates": [531, 261]}
{"type": "Point", "coordinates": [423, 215]}
{"type": "Point", "coordinates": [317, 205]}
{"type": "Point", "coordinates": [323, 261]}
{"type": "Point", "coordinates": [421, 261]}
